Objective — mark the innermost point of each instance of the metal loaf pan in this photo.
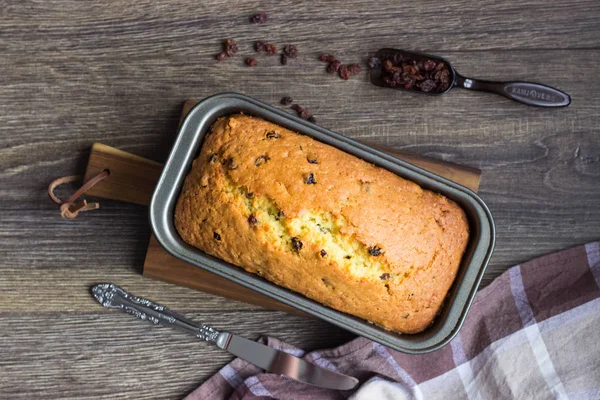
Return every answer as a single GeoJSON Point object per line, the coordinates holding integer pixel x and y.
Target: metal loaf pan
{"type": "Point", "coordinates": [185, 150]}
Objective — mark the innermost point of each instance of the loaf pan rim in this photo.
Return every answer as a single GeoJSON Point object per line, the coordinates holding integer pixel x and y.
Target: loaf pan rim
{"type": "Point", "coordinates": [169, 185]}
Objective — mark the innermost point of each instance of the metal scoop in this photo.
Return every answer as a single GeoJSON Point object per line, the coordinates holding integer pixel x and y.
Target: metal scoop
{"type": "Point", "coordinates": [402, 71]}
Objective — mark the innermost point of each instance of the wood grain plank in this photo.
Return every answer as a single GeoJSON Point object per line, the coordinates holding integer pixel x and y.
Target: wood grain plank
{"type": "Point", "coordinates": [67, 289]}
{"type": "Point", "coordinates": [132, 177]}
{"type": "Point", "coordinates": [78, 72]}
{"type": "Point", "coordinates": [94, 28]}
{"type": "Point", "coordinates": [112, 355]}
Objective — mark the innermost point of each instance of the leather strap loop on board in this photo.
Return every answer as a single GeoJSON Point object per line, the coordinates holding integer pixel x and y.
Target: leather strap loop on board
{"type": "Point", "coordinates": [69, 209]}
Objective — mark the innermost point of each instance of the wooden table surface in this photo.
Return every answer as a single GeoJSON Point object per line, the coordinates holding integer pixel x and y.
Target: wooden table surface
{"type": "Point", "coordinates": [75, 72]}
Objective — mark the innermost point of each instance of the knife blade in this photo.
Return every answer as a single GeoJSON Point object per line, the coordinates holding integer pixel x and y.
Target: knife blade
{"type": "Point", "coordinates": [282, 363]}
{"type": "Point", "coordinates": [265, 357]}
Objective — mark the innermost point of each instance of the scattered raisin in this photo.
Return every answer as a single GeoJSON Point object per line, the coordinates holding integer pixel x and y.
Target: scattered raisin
{"type": "Point", "coordinates": [291, 51]}
{"type": "Point", "coordinates": [406, 316]}
{"type": "Point", "coordinates": [310, 179]}
{"type": "Point", "coordinates": [374, 62]}
{"type": "Point", "coordinates": [326, 58]}
{"type": "Point", "coordinates": [444, 85]}
{"type": "Point", "coordinates": [312, 160]}
{"type": "Point", "coordinates": [354, 69]}
{"type": "Point", "coordinates": [429, 65]}
{"type": "Point", "coordinates": [216, 236]}
{"type": "Point", "coordinates": [222, 56]}
{"type": "Point", "coordinates": [344, 73]}
{"type": "Point", "coordinates": [297, 108]}
{"type": "Point", "coordinates": [286, 101]}
{"type": "Point", "coordinates": [260, 47]}
{"type": "Point", "coordinates": [280, 214]}
{"type": "Point", "coordinates": [347, 257]}
{"type": "Point", "coordinates": [323, 253]}
{"type": "Point", "coordinates": [410, 70]}
{"type": "Point", "coordinates": [271, 49]}
{"type": "Point", "coordinates": [385, 276]}
{"type": "Point", "coordinates": [334, 66]}
{"type": "Point", "coordinates": [397, 58]}
{"type": "Point", "coordinates": [442, 76]}
{"type": "Point", "coordinates": [251, 62]}
{"type": "Point", "coordinates": [296, 244]}
{"type": "Point", "coordinates": [409, 83]}
{"type": "Point", "coordinates": [375, 251]}
{"type": "Point", "coordinates": [252, 220]}
{"type": "Point", "coordinates": [284, 59]}
{"type": "Point", "coordinates": [302, 112]}
{"type": "Point", "coordinates": [427, 85]}
{"type": "Point", "coordinates": [259, 18]}
{"type": "Point", "coordinates": [231, 47]}
{"type": "Point", "coordinates": [305, 114]}
{"type": "Point", "coordinates": [214, 158]}
{"type": "Point", "coordinates": [273, 135]}
{"type": "Point", "coordinates": [261, 160]}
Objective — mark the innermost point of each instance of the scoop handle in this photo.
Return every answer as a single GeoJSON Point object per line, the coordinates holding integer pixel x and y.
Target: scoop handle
{"type": "Point", "coordinates": [529, 93]}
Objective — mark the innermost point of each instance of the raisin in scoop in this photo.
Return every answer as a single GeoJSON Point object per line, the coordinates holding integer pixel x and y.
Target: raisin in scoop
{"type": "Point", "coordinates": [423, 73]}
{"type": "Point", "coordinates": [399, 69]}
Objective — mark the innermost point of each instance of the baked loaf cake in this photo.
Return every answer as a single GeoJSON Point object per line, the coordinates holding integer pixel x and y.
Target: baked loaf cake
{"type": "Point", "coordinates": [323, 223]}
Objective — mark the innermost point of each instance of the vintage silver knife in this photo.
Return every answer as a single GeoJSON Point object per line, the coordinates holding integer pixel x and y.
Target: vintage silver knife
{"type": "Point", "coordinates": [265, 357]}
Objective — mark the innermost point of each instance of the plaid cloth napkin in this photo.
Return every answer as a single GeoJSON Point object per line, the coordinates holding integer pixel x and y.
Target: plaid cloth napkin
{"type": "Point", "coordinates": [533, 333]}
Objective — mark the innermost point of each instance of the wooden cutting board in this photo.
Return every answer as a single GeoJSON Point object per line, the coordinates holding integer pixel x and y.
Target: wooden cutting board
{"type": "Point", "coordinates": [133, 178]}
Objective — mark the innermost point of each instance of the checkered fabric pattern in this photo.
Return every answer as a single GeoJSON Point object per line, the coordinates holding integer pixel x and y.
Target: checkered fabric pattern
{"type": "Point", "coordinates": [534, 333]}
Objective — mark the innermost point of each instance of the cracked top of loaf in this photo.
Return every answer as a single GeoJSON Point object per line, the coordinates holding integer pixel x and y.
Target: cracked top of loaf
{"type": "Point", "coordinates": [321, 222]}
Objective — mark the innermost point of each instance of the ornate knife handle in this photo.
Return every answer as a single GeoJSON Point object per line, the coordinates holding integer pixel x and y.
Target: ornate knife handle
{"type": "Point", "coordinates": [112, 296]}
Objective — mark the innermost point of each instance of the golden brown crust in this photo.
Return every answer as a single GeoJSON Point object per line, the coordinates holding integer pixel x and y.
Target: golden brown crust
{"type": "Point", "coordinates": [392, 249]}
